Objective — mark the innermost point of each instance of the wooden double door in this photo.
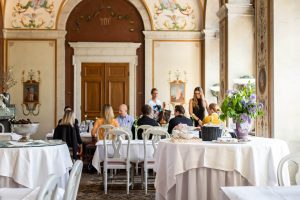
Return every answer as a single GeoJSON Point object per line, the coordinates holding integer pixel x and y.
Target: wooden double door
{"type": "Point", "coordinates": [103, 83]}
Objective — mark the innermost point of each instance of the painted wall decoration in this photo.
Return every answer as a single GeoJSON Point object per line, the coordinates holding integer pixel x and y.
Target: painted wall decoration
{"type": "Point", "coordinates": [31, 14]}
{"type": "Point", "coordinates": [179, 15]}
{"type": "Point", "coordinates": [263, 66]}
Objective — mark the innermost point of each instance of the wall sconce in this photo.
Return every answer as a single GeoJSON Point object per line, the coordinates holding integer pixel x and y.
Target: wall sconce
{"type": "Point", "coordinates": [31, 104]}
{"type": "Point", "coordinates": [215, 90]}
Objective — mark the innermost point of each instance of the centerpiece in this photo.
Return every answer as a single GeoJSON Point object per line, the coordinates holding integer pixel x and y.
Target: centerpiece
{"type": "Point", "coordinates": [25, 128]}
{"type": "Point", "coordinates": [241, 106]}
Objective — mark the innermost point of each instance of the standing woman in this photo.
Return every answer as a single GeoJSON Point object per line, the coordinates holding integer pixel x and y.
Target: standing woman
{"type": "Point", "coordinates": [197, 106]}
{"type": "Point", "coordinates": [107, 118]}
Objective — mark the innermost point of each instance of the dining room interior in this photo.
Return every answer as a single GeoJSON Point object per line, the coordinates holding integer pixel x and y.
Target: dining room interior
{"type": "Point", "coordinates": [149, 99]}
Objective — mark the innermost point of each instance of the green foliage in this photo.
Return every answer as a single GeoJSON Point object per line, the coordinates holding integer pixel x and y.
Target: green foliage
{"type": "Point", "coordinates": [240, 103]}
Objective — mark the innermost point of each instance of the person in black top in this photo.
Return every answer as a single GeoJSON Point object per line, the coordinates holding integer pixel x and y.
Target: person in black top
{"type": "Point", "coordinates": [66, 131]}
{"type": "Point", "coordinates": [197, 106]}
{"type": "Point", "coordinates": [144, 120]}
{"type": "Point", "coordinates": [179, 118]}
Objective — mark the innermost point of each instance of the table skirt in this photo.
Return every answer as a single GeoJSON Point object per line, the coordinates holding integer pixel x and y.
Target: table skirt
{"type": "Point", "coordinates": [202, 184]}
{"type": "Point", "coordinates": [7, 182]}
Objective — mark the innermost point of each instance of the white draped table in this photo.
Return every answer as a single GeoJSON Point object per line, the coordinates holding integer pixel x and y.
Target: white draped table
{"type": "Point", "coordinates": [30, 166]}
{"type": "Point", "coordinates": [136, 151]}
{"type": "Point", "coordinates": [264, 193]}
{"type": "Point", "coordinates": [196, 171]}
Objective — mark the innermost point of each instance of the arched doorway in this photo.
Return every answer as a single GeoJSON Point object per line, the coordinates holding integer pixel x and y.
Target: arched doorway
{"type": "Point", "coordinates": [105, 21]}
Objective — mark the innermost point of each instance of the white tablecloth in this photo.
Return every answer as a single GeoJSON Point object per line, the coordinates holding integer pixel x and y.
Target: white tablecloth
{"type": "Point", "coordinates": [30, 166]}
{"type": "Point", "coordinates": [13, 135]}
{"type": "Point", "coordinates": [256, 161]}
{"type": "Point", "coordinates": [82, 135]}
{"type": "Point", "coordinates": [136, 151]}
{"type": "Point", "coordinates": [24, 193]}
{"type": "Point", "coordinates": [265, 193]}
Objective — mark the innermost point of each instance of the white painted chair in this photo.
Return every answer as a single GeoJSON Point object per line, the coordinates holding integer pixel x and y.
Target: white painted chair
{"type": "Point", "coordinates": [293, 161]}
{"type": "Point", "coordinates": [74, 180]}
{"type": "Point", "coordinates": [117, 161]}
{"type": "Point", "coordinates": [106, 127]}
{"type": "Point", "coordinates": [5, 137]}
{"type": "Point", "coordinates": [49, 190]}
{"type": "Point", "coordinates": [144, 128]}
{"type": "Point", "coordinates": [157, 133]}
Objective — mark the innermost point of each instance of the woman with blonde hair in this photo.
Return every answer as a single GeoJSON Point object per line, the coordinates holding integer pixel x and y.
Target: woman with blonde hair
{"type": "Point", "coordinates": [197, 106]}
{"type": "Point", "coordinates": [66, 131]}
{"type": "Point", "coordinates": [107, 118]}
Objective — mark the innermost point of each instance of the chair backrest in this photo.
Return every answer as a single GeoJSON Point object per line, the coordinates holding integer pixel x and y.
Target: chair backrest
{"type": "Point", "coordinates": [117, 145]}
{"type": "Point", "coordinates": [2, 128]}
{"type": "Point", "coordinates": [49, 189]}
{"type": "Point", "coordinates": [106, 127]}
{"type": "Point", "coordinates": [144, 128]}
{"type": "Point", "coordinates": [74, 180]}
{"type": "Point", "coordinates": [156, 133]}
{"type": "Point", "coordinates": [127, 129]}
{"type": "Point", "coordinates": [293, 161]}
{"type": "Point", "coordinates": [5, 137]}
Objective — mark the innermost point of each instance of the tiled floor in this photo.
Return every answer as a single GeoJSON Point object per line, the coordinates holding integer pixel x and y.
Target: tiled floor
{"type": "Point", "coordinates": [91, 187]}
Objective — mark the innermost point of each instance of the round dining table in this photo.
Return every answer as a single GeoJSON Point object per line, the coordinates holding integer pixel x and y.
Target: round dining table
{"type": "Point", "coordinates": [29, 164]}
{"type": "Point", "coordinates": [197, 170]}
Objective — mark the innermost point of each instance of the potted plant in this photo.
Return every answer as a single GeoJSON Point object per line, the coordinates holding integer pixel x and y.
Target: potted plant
{"type": "Point", "coordinates": [241, 106]}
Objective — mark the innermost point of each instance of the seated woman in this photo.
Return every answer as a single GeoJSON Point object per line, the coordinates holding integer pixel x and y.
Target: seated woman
{"type": "Point", "coordinates": [144, 120]}
{"type": "Point", "coordinates": [179, 118]}
{"type": "Point", "coordinates": [213, 116]}
{"type": "Point", "coordinates": [107, 118]}
{"type": "Point", "coordinates": [66, 131]}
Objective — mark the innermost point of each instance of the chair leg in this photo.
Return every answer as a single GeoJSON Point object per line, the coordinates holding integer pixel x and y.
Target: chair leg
{"type": "Point", "coordinates": [142, 177]}
{"type": "Point", "coordinates": [132, 177]}
{"type": "Point", "coordinates": [137, 168]}
{"type": "Point", "coordinates": [105, 181]}
{"type": "Point", "coordinates": [146, 180]}
{"type": "Point", "coordinates": [128, 176]}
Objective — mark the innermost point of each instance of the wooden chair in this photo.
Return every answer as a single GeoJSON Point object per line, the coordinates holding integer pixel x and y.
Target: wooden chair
{"type": "Point", "coordinates": [117, 161]}
{"type": "Point", "coordinates": [157, 133]}
{"type": "Point", "coordinates": [73, 182]}
{"type": "Point", "coordinates": [49, 189]}
{"type": "Point", "coordinates": [293, 161]}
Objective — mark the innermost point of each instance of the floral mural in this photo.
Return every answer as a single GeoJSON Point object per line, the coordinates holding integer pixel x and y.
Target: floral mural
{"type": "Point", "coordinates": [175, 15]}
{"type": "Point", "coordinates": [32, 14]}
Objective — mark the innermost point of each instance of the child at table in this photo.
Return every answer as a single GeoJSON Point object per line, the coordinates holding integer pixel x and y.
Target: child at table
{"type": "Point", "coordinates": [213, 116]}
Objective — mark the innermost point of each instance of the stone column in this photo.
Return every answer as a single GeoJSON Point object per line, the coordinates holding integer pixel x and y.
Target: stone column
{"type": "Point", "coordinates": [264, 66]}
{"type": "Point", "coordinates": [237, 47]}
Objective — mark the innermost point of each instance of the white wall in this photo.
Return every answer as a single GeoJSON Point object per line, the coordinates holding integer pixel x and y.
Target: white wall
{"type": "Point", "coordinates": [241, 47]}
{"type": "Point", "coordinates": [287, 72]}
{"type": "Point", "coordinates": [172, 56]}
{"type": "Point", "coordinates": [36, 55]}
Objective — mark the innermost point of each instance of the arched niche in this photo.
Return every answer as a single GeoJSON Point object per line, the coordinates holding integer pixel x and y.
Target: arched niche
{"type": "Point", "coordinates": [87, 22]}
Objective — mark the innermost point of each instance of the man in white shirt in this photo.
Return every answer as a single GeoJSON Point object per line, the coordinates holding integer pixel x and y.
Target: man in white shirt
{"type": "Point", "coordinates": [155, 104]}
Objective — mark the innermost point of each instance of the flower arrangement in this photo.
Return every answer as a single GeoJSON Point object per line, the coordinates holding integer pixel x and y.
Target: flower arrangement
{"type": "Point", "coordinates": [7, 80]}
{"type": "Point", "coordinates": [241, 105]}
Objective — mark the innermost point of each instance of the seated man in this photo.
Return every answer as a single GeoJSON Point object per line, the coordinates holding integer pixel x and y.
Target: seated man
{"type": "Point", "coordinates": [144, 120]}
{"type": "Point", "coordinates": [123, 118]}
{"type": "Point", "coordinates": [179, 118]}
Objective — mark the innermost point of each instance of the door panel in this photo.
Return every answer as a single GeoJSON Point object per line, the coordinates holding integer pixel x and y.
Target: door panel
{"type": "Point", "coordinates": [117, 84]}
{"type": "Point", "coordinates": [92, 90]}
{"type": "Point", "coordinates": [103, 83]}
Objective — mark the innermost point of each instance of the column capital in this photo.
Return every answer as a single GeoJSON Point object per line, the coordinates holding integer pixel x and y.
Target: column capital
{"type": "Point", "coordinates": [235, 9]}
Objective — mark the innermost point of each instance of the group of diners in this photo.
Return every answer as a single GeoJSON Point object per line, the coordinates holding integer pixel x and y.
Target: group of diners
{"type": "Point", "coordinates": [154, 113]}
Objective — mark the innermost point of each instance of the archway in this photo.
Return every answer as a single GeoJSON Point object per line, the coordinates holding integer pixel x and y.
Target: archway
{"type": "Point", "coordinates": [105, 21]}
